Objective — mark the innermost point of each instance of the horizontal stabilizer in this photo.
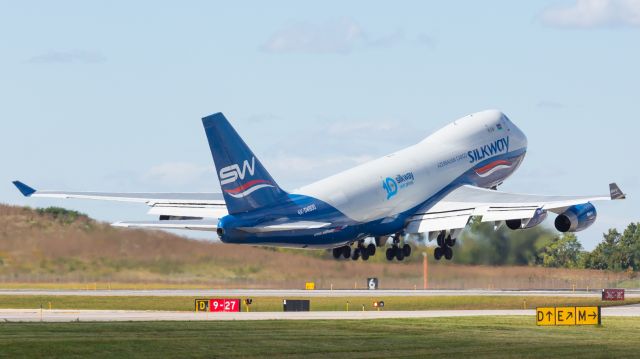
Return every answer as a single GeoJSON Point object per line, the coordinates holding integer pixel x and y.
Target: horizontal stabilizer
{"type": "Point", "coordinates": [196, 225]}
{"type": "Point", "coordinates": [24, 189]}
{"type": "Point", "coordinates": [288, 226]}
{"type": "Point", "coordinates": [188, 199]}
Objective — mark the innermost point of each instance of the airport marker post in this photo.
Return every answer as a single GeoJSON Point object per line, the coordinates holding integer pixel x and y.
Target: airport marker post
{"type": "Point", "coordinates": [425, 281]}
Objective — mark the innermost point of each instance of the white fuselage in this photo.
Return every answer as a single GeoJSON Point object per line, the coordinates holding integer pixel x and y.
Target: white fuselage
{"type": "Point", "coordinates": [472, 144]}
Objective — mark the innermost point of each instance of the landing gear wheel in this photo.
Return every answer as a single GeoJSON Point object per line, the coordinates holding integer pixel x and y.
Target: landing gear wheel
{"type": "Point", "coordinates": [356, 254]}
{"type": "Point", "coordinates": [371, 249]}
{"type": "Point", "coordinates": [399, 254]}
{"type": "Point", "coordinates": [346, 252]}
{"type": "Point", "coordinates": [450, 242]}
{"type": "Point", "coordinates": [390, 254]}
{"type": "Point", "coordinates": [365, 254]}
{"type": "Point", "coordinates": [448, 253]}
{"type": "Point", "coordinates": [440, 239]}
{"type": "Point", "coordinates": [337, 252]}
{"type": "Point", "coordinates": [406, 250]}
{"type": "Point", "coordinates": [437, 253]}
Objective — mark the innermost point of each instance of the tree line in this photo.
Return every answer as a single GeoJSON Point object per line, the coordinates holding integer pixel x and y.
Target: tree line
{"type": "Point", "coordinates": [482, 244]}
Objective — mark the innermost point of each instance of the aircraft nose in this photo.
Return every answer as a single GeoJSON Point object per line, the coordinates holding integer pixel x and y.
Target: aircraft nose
{"type": "Point", "coordinates": [516, 133]}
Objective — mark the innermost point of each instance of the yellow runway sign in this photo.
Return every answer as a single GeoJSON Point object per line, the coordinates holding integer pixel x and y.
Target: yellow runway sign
{"type": "Point", "coordinates": [550, 316]}
{"type": "Point", "coordinates": [310, 286]}
{"type": "Point", "coordinates": [202, 305]}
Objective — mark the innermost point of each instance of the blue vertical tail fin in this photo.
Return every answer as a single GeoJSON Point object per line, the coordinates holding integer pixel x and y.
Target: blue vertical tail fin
{"type": "Point", "coordinates": [246, 184]}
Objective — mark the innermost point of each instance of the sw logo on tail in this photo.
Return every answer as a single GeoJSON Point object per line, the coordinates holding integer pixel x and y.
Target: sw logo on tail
{"type": "Point", "coordinates": [231, 173]}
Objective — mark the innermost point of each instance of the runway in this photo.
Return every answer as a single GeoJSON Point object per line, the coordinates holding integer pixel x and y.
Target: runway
{"type": "Point", "coordinates": [30, 315]}
{"type": "Point", "coordinates": [250, 293]}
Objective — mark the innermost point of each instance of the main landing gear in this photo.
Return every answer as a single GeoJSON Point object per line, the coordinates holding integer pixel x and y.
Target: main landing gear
{"type": "Point", "coordinates": [397, 252]}
{"type": "Point", "coordinates": [361, 251]}
{"type": "Point", "coordinates": [344, 251]}
{"type": "Point", "coordinates": [445, 242]}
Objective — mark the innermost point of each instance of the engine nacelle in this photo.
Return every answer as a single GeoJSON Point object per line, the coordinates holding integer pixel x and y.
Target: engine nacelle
{"type": "Point", "coordinates": [537, 218]}
{"type": "Point", "coordinates": [576, 218]}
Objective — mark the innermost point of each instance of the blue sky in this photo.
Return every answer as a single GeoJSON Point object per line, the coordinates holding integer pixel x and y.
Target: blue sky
{"type": "Point", "coordinates": [108, 95]}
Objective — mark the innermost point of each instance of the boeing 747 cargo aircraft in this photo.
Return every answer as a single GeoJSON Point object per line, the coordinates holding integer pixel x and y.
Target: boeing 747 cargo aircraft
{"type": "Point", "coordinates": [433, 187]}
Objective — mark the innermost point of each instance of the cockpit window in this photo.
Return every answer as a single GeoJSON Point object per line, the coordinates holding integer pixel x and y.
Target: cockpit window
{"type": "Point", "coordinates": [504, 121]}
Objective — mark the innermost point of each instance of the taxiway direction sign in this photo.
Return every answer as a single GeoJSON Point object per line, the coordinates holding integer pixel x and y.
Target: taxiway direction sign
{"type": "Point", "coordinates": [547, 316]}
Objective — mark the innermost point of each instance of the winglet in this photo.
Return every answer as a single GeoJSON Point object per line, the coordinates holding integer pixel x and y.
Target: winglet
{"type": "Point", "coordinates": [616, 192]}
{"type": "Point", "coordinates": [24, 189]}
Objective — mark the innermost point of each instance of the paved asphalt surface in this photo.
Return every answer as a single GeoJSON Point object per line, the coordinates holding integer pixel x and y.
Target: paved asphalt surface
{"type": "Point", "coordinates": [30, 315]}
{"type": "Point", "coordinates": [309, 293]}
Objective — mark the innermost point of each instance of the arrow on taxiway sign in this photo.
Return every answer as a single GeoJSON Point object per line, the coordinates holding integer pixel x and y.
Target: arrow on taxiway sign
{"type": "Point", "coordinates": [546, 316]}
{"type": "Point", "coordinates": [588, 316]}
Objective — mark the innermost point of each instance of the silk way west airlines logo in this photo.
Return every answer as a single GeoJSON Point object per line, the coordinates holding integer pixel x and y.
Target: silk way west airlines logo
{"type": "Point", "coordinates": [392, 185]}
{"type": "Point", "coordinates": [235, 172]}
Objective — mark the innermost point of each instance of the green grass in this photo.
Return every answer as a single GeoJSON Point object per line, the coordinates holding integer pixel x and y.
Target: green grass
{"type": "Point", "coordinates": [502, 337]}
{"type": "Point", "coordinates": [270, 304]}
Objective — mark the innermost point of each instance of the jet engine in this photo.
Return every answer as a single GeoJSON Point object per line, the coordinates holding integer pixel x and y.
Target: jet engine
{"type": "Point", "coordinates": [537, 218]}
{"type": "Point", "coordinates": [576, 218]}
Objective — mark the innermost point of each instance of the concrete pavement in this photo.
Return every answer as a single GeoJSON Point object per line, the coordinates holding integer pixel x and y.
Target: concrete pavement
{"type": "Point", "coordinates": [31, 315]}
{"type": "Point", "coordinates": [212, 293]}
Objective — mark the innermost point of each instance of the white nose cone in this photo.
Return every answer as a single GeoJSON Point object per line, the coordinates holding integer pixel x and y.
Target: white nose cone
{"type": "Point", "coordinates": [517, 137]}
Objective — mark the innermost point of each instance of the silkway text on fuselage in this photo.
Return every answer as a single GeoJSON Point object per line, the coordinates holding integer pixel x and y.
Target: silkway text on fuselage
{"type": "Point", "coordinates": [490, 150]}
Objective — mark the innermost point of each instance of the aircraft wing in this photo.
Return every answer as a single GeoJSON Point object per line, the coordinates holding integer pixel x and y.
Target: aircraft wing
{"type": "Point", "coordinates": [455, 209]}
{"type": "Point", "coordinates": [199, 205]}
